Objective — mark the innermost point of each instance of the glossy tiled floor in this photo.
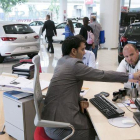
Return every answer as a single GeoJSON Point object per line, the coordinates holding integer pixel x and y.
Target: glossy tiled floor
{"type": "Point", "coordinates": [107, 59]}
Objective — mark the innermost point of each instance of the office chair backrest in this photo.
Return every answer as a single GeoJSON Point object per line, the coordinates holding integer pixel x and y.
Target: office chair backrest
{"type": "Point", "coordinates": [38, 98]}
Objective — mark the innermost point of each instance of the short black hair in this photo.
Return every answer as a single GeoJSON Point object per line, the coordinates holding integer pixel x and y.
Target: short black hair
{"type": "Point", "coordinates": [72, 42]}
{"type": "Point", "coordinates": [86, 21]}
{"type": "Point", "coordinates": [48, 16]}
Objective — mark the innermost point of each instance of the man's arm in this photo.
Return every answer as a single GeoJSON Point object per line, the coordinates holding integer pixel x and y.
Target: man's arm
{"type": "Point", "coordinates": [44, 26]}
{"type": "Point", "coordinates": [54, 28]}
{"type": "Point", "coordinates": [83, 72]}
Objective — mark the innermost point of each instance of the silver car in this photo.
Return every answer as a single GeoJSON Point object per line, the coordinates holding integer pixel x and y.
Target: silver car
{"type": "Point", "coordinates": [17, 39]}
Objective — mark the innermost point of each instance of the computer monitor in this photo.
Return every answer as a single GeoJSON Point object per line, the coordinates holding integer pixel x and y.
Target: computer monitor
{"type": "Point", "coordinates": [137, 103]}
{"type": "Point", "coordinates": [136, 115]}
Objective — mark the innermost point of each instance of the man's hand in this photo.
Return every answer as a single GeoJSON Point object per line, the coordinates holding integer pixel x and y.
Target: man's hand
{"type": "Point", "coordinates": [84, 105]}
{"type": "Point", "coordinates": [136, 76]}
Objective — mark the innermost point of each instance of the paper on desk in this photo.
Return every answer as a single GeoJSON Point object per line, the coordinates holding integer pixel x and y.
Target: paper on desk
{"type": "Point", "coordinates": [127, 101]}
{"type": "Point", "coordinates": [18, 82]}
{"type": "Point", "coordinates": [29, 87]}
{"type": "Point", "coordinates": [4, 80]}
{"type": "Point", "coordinates": [21, 82]}
{"type": "Point", "coordinates": [84, 91]}
{"type": "Point", "coordinates": [24, 66]}
{"type": "Point", "coordinates": [122, 105]}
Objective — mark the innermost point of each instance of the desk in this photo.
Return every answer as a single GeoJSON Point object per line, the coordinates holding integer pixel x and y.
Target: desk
{"type": "Point", "coordinates": [104, 130]}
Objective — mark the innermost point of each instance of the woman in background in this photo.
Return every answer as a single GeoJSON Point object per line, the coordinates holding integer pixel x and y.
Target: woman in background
{"type": "Point", "coordinates": [84, 30]}
{"type": "Point", "coordinates": [69, 29]}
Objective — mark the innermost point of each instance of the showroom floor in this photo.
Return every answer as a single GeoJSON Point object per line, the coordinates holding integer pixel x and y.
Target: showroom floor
{"type": "Point", "coordinates": [107, 59]}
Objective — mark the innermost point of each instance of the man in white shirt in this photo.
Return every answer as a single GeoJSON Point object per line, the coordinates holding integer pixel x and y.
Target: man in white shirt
{"type": "Point", "coordinates": [89, 59]}
{"type": "Point", "coordinates": [131, 62]}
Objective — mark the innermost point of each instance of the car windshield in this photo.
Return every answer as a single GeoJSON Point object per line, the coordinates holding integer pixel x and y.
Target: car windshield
{"type": "Point", "coordinates": [133, 30]}
{"type": "Point", "coordinates": [18, 29]}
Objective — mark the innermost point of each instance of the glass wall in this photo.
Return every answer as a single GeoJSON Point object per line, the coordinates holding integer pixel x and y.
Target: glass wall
{"type": "Point", "coordinates": [37, 10]}
{"type": "Point", "coordinates": [134, 5]}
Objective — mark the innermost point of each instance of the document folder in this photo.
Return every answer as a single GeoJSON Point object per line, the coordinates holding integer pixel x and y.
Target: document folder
{"type": "Point", "coordinates": [17, 94]}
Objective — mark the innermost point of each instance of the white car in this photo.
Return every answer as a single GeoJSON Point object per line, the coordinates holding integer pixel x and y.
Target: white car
{"type": "Point", "coordinates": [17, 39]}
{"type": "Point", "coordinates": [60, 28]}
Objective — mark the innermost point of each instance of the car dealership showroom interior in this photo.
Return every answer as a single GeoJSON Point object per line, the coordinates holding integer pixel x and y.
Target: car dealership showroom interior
{"type": "Point", "coordinates": [69, 69]}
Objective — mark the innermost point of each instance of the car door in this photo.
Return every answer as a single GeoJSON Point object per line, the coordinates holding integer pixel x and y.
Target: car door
{"type": "Point", "coordinates": [60, 28]}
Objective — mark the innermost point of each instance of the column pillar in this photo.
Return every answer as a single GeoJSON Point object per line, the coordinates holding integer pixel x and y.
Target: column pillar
{"type": "Point", "coordinates": [109, 19]}
{"type": "Point", "coordinates": [63, 10]}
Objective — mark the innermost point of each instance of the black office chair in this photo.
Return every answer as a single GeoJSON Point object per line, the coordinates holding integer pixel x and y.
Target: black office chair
{"type": "Point", "coordinates": [38, 102]}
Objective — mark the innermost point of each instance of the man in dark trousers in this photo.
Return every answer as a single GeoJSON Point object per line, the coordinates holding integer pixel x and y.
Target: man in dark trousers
{"type": "Point", "coordinates": [50, 32]}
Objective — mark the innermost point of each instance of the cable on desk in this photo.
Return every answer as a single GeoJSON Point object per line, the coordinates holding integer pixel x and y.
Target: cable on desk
{"type": "Point", "coordinates": [126, 107]}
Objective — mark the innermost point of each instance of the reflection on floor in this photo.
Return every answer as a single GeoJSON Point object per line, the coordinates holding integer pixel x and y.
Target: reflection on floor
{"type": "Point", "coordinates": [107, 59]}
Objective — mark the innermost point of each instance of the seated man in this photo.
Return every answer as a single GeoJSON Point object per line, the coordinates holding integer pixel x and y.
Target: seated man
{"type": "Point", "coordinates": [63, 102]}
{"type": "Point", "coordinates": [131, 62]}
{"type": "Point", "coordinates": [89, 59]}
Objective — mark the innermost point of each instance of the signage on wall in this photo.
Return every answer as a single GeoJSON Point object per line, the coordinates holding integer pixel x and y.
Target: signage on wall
{"type": "Point", "coordinates": [124, 9]}
{"type": "Point", "coordinates": [88, 2]}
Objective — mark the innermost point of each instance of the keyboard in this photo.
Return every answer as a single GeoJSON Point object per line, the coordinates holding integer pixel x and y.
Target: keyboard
{"type": "Point", "coordinates": [106, 107]}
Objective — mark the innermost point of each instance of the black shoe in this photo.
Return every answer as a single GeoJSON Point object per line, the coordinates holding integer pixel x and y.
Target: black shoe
{"type": "Point", "coordinates": [51, 52]}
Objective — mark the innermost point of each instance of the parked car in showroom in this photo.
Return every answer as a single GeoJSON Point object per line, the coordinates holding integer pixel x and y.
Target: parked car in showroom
{"type": "Point", "coordinates": [36, 23]}
{"type": "Point", "coordinates": [60, 28]}
{"type": "Point", "coordinates": [17, 39]}
{"type": "Point", "coordinates": [131, 36]}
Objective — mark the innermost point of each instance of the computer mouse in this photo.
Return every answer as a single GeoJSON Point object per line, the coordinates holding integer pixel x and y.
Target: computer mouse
{"type": "Point", "coordinates": [128, 122]}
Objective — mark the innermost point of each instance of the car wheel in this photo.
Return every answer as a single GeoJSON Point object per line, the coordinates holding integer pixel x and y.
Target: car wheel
{"type": "Point", "coordinates": [119, 59]}
{"type": "Point", "coordinates": [31, 55]}
{"type": "Point", "coordinates": [1, 59]}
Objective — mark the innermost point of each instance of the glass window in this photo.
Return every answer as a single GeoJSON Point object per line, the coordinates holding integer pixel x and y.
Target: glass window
{"type": "Point", "coordinates": [133, 30]}
{"type": "Point", "coordinates": [32, 24]}
{"type": "Point", "coordinates": [17, 29]}
{"type": "Point", "coordinates": [77, 25]}
{"type": "Point", "coordinates": [40, 23]}
{"type": "Point", "coordinates": [61, 26]}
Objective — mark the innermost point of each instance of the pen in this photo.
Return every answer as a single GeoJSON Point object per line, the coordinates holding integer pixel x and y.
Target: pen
{"type": "Point", "coordinates": [133, 85]}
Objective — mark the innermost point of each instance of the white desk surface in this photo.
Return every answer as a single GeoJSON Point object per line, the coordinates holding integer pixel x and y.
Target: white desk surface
{"type": "Point", "coordinates": [104, 130]}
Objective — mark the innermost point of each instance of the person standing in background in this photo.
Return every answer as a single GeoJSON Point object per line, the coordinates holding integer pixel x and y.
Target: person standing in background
{"type": "Point", "coordinates": [89, 59]}
{"type": "Point", "coordinates": [96, 31]}
{"type": "Point", "coordinates": [84, 29]}
{"type": "Point", "coordinates": [69, 29]}
{"type": "Point", "coordinates": [50, 32]}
